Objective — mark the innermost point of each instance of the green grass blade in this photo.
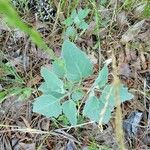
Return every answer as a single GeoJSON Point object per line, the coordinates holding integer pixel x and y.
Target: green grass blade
{"type": "Point", "coordinates": [13, 19]}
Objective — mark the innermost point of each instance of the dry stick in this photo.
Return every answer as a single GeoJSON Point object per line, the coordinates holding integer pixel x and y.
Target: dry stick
{"type": "Point", "coordinates": [118, 116]}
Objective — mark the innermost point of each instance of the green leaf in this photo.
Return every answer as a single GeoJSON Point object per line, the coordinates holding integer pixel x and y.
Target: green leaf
{"type": "Point", "coordinates": [63, 119]}
{"type": "Point", "coordinates": [73, 14]}
{"type": "Point", "coordinates": [78, 65]}
{"type": "Point", "coordinates": [52, 82]}
{"type": "Point", "coordinates": [47, 105]}
{"type": "Point", "coordinates": [83, 25]}
{"type": "Point", "coordinates": [68, 21]}
{"type": "Point", "coordinates": [2, 96]}
{"type": "Point", "coordinates": [82, 13]}
{"type": "Point", "coordinates": [102, 78]}
{"type": "Point", "coordinates": [69, 109]}
{"type": "Point", "coordinates": [92, 109]}
{"type": "Point", "coordinates": [124, 94]}
{"type": "Point", "coordinates": [105, 114]}
{"type": "Point", "coordinates": [44, 90]}
{"type": "Point", "coordinates": [59, 68]}
{"type": "Point", "coordinates": [77, 21]}
{"type": "Point", "coordinates": [25, 94]}
{"type": "Point", "coordinates": [70, 31]}
{"type": "Point", "coordinates": [77, 95]}
{"type": "Point", "coordinates": [100, 109]}
{"type": "Point", "coordinates": [109, 94]}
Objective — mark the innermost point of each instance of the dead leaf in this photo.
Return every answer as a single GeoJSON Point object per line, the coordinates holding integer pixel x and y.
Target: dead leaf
{"type": "Point", "coordinates": [26, 146]}
{"type": "Point", "coordinates": [124, 69]}
{"type": "Point", "coordinates": [131, 124]}
{"type": "Point", "coordinates": [122, 19]}
{"type": "Point", "coordinates": [132, 32]}
{"type": "Point", "coordinates": [138, 11]}
{"type": "Point", "coordinates": [71, 145]}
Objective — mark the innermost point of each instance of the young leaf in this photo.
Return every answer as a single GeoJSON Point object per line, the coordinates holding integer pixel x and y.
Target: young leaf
{"type": "Point", "coordinates": [69, 109]}
{"type": "Point", "coordinates": [47, 105]}
{"type": "Point", "coordinates": [53, 83]}
{"type": "Point", "coordinates": [78, 65]}
{"type": "Point", "coordinates": [102, 78]}
{"type": "Point", "coordinates": [92, 109]}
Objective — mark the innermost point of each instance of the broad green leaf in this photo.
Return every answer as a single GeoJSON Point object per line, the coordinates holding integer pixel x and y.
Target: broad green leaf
{"type": "Point", "coordinates": [69, 109]}
{"type": "Point", "coordinates": [45, 91]}
{"type": "Point", "coordinates": [83, 25]}
{"type": "Point", "coordinates": [47, 105]}
{"type": "Point", "coordinates": [82, 13]}
{"type": "Point", "coordinates": [124, 94]}
{"type": "Point", "coordinates": [77, 95]}
{"type": "Point", "coordinates": [59, 68]}
{"type": "Point", "coordinates": [70, 31]}
{"type": "Point", "coordinates": [102, 78]}
{"type": "Point", "coordinates": [77, 21]}
{"type": "Point", "coordinates": [105, 114]}
{"type": "Point", "coordinates": [78, 65]}
{"type": "Point", "coordinates": [92, 109]}
{"type": "Point", "coordinates": [43, 88]}
{"type": "Point", "coordinates": [96, 110]}
{"type": "Point", "coordinates": [53, 83]}
{"type": "Point", "coordinates": [73, 14]}
{"type": "Point", "coordinates": [109, 94]}
{"type": "Point", "coordinates": [68, 21]}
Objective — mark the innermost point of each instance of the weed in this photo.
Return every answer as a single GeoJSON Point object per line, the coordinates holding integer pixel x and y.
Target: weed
{"type": "Point", "coordinates": [76, 21]}
{"type": "Point", "coordinates": [59, 91]}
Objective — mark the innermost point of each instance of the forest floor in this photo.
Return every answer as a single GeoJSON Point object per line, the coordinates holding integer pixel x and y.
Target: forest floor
{"type": "Point", "coordinates": [123, 29]}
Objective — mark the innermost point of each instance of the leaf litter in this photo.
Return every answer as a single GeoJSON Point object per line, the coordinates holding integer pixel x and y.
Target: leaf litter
{"type": "Point", "coordinates": [133, 35]}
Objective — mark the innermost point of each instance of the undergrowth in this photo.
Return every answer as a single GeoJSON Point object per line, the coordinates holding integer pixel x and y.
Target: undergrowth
{"type": "Point", "coordinates": [63, 94]}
